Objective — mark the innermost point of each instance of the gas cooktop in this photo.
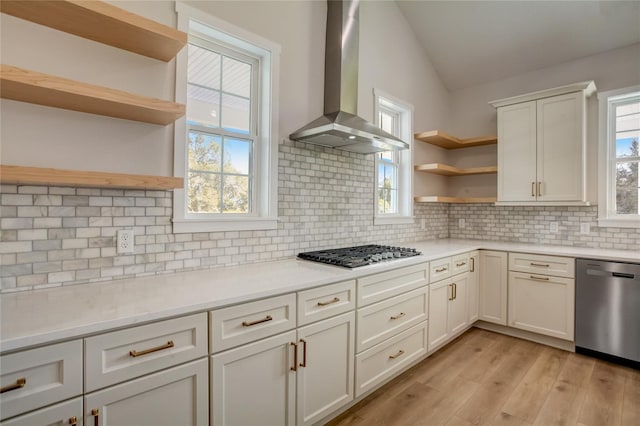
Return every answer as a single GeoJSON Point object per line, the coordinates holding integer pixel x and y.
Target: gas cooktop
{"type": "Point", "coordinates": [353, 257]}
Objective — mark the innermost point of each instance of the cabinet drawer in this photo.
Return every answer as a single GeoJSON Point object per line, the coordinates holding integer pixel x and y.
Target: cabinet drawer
{"type": "Point", "coordinates": [439, 269]}
{"type": "Point", "coordinates": [378, 287]}
{"type": "Point", "coordinates": [38, 377]}
{"type": "Point", "coordinates": [385, 319]}
{"type": "Point", "coordinates": [244, 323]}
{"type": "Point", "coordinates": [55, 415]}
{"type": "Point", "coordinates": [460, 264]}
{"type": "Point", "coordinates": [122, 355]}
{"type": "Point", "coordinates": [540, 264]}
{"type": "Point", "coordinates": [324, 302]}
{"type": "Point", "coordinates": [384, 360]}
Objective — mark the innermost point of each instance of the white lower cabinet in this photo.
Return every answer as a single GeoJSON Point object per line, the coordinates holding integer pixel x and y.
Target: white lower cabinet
{"type": "Point", "coordinates": [447, 309]}
{"type": "Point", "coordinates": [493, 287]}
{"type": "Point", "coordinates": [67, 413]}
{"type": "Point", "coordinates": [173, 397]}
{"type": "Point", "coordinates": [473, 292]}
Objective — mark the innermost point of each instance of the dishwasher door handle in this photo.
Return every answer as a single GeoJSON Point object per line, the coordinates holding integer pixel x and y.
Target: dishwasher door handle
{"type": "Point", "coordinates": [623, 275]}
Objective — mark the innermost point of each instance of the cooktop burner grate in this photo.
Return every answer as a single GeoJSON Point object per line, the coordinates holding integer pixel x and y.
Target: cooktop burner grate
{"type": "Point", "coordinates": [353, 257]}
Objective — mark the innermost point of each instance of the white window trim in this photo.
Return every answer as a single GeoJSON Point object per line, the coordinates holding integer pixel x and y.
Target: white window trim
{"type": "Point", "coordinates": [405, 170]}
{"type": "Point", "coordinates": [266, 176]}
{"type": "Point", "coordinates": [607, 154]}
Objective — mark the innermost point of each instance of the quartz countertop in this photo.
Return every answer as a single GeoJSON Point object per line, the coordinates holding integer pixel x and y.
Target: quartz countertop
{"type": "Point", "coordinates": [44, 316]}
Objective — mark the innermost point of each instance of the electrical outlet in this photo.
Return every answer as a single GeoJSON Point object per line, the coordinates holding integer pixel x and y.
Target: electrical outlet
{"type": "Point", "coordinates": [124, 243]}
{"type": "Point", "coordinates": [461, 223]}
{"type": "Point", "coordinates": [553, 227]}
{"type": "Point", "coordinates": [585, 228]}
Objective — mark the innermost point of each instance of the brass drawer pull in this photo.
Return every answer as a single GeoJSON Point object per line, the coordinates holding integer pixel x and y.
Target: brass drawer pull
{"type": "Point", "coordinates": [249, 324]}
{"type": "Point", "coordinates": [96, 414]}
{"type": "Point", "coordinates": [400, 352]}
{"type": "Point", "coordinates": [539, 189]}
{"type": "Point", "coordinates": [17, 385]}
{"type": "Point", "coordinates": [304, 353]}
{"type": "Point", "coordinates": [451, 297]}
{"type": "Point", "coordinates": [539, 278]}
{"type": "Point", "coordinates": [533, 189]}
{"type": "Point", "coordinates": [473, 264]}
{"type": "Point", "coordinates": [73, 421]}
{"type": "Point", "coordinates": [135, 353]}
{"type": "Point", "coordinates": [400, 315]}
{"type": "Point", "coordinates": [455, 291]}
{"type": "Point", "coordinates": [542, 265]}
{"type": "Point", "coordinates": [461, 264]}
{"type": "Point", "coordinates": [295, 357]}
{"type": "Point", "coordinates": [441, 269]}
{"type": "Point", "coordinates": [334, 300]}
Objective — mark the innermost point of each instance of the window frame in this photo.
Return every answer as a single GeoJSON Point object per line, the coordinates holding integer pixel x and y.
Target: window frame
{"type": "Point", "coordinates": [404, 111]}
{"type": "Point", "coordinates": [608, 159]}
{"type": "Point", "coordinates": [200, 25]}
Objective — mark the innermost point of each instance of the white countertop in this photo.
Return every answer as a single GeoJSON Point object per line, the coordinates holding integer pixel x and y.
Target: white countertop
{"type": "Point", "coordinates": [43, 316]}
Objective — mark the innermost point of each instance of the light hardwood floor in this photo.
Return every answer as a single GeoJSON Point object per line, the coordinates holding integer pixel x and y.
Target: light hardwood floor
{"type": "Point", "coordinates": [484, 378]}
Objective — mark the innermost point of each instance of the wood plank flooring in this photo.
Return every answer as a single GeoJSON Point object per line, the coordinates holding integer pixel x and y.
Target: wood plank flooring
{"type": "Point", "coordinates": [484, 378]}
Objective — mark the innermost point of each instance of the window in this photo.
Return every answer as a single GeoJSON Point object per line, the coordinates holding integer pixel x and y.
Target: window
{"type": "Point", "coordinates": [620, 158]}
{"type": "Point", "coordinates": [393, 171]}
{"type": "Point", "coordinates": [226, 146]}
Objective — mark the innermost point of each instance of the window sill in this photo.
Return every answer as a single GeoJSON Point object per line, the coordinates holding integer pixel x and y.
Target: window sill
{"type": "Point", "coordinates": [393, 220]}
{"type": "Point", "coordinates": [183, 226]}
{"type": "Point", "coordinates": [619, 223]}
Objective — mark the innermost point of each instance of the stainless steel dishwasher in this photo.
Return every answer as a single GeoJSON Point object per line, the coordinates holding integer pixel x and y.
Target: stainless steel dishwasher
{"type": "Point", "coordinates": [608, 310]}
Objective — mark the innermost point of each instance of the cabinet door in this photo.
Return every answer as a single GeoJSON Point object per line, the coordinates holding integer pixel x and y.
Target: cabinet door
{"type": "Point", "coordinates": [561, 148]}
{"type": "Point", "coordinates": [254, 384]}
{"type": "Point", "coordinates": [176, 396]}
{"type": "Point", "coordinates": [325, 367]}
{"type": "Point", "coordinates": [493, 286]}
{"type": "Point", "coordinates": [517, 152]}
{"type": "Point", "coordinates": [542, 304]}
{"type": "Point", "coordinates": [473, 292]}
{"type": "Point", "coordinates": [457, 315]}
{"type": "Point", "coordinates": [63, 414]}
{"type": "Point", "coordinates": [439, 295]}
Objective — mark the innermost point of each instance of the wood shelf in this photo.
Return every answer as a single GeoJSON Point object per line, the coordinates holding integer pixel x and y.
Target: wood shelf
{"type": "Point", "coordinates": [30, 86]}
{"type": "Point", "coordinates": [465, 200]}
{"type": "Point", "coordinates": [443, 140]}
{"type": "Point", "coordinates": [102, 22]}
{"type": "Point", "coordinates": [446, 170]}
{"type": "Point", "coordinates": [19, 175]}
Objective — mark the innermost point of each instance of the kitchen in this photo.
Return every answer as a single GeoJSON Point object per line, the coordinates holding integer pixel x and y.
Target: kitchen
{"type": "Point", "coordinates": [324, 197]}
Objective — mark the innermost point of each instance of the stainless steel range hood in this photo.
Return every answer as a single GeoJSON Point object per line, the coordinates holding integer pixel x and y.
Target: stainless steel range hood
{"type": "Point", "coordinates": [340, 127]}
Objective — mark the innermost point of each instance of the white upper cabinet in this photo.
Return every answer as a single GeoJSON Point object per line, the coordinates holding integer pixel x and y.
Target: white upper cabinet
{"type": "Point", "coordinates": [542, 149]}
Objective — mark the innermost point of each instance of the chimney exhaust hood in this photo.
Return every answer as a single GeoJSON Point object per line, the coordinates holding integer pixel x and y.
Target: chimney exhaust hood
{"type": "Point", "coordinates": [340, 127]}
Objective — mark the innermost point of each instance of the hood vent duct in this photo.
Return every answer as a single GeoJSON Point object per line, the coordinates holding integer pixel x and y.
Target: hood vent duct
{"type": "Point", "coordinates": [340, 127]}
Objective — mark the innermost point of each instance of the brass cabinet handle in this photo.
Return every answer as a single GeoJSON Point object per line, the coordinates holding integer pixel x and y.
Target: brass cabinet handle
{"type": "Point", "coordinates": [249, 324]}
{"type": "Point", "coordinates": [295, 357]}
{"type": "Point", "coordinates": [533, 189]}
{"type": "Point", "coordinates": [461, 264]}
{"type": "Point", "coordinates": [455, 291]}
{"type": "Point", "coordinates": [400, 352]}
{"type": "Point", "coordinates": [441, 270]}
{"type": "Point", "coordinates": [473, 264]}
{"type": "Point", "coordinates": [539, 278]}
{"type": "Point", "coordinates": [17, 385]}
{"type": "Point", "coordinates": [304, 353]}
{"type": "Point", "coordinates": [542, 265]}
{"type": "Point", "coordinates": [96, 414]}
{"type": "Point", "coordinates": [73, 421]}
{"type": "Point", "coordinates": [400, 315]}
{"type": "Point", "coordinates": [334, 300]}
{"type": "Point", "coordinates": [167, 345]}
{"type": "Point", "coordinates": [539, 189]}
{"type": "Point", "coordinates": [451, 297]}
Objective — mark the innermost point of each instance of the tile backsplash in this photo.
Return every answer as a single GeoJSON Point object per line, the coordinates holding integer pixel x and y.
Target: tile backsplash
{"type": "Point", "coordinates": [532, 225]}
{"type": "Point", "coordinates": [51, 236]}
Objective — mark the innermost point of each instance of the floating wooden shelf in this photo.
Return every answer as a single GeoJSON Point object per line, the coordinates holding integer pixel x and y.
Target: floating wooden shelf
{"type": "Point", "coordinates": [467, 200]}
{"type": "Point", "coordinates": [443, 140]}
{"type": "Point", "coordinates": [43, 89]}
{"type": "Point", "coordinates": [445, 170]}
{"type": "Point", "coordinates": [102, 22]}
{"type": "Point", "coordinates": [19, 175]}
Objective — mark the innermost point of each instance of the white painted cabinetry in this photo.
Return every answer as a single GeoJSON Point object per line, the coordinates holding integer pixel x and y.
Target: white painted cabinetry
{"type": "Point", "coordinates": [68, 413]}
{"type": "Point", "coordinates": [447, 309]}
{"type": "Point", "coordinates": [493, 287]}
{"type": "Point", "coordinates": [542, 149]}
{"type": "Point", "coordinates": [541, 300]}
{"type": "Point", "coordinates": [473, 292]}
